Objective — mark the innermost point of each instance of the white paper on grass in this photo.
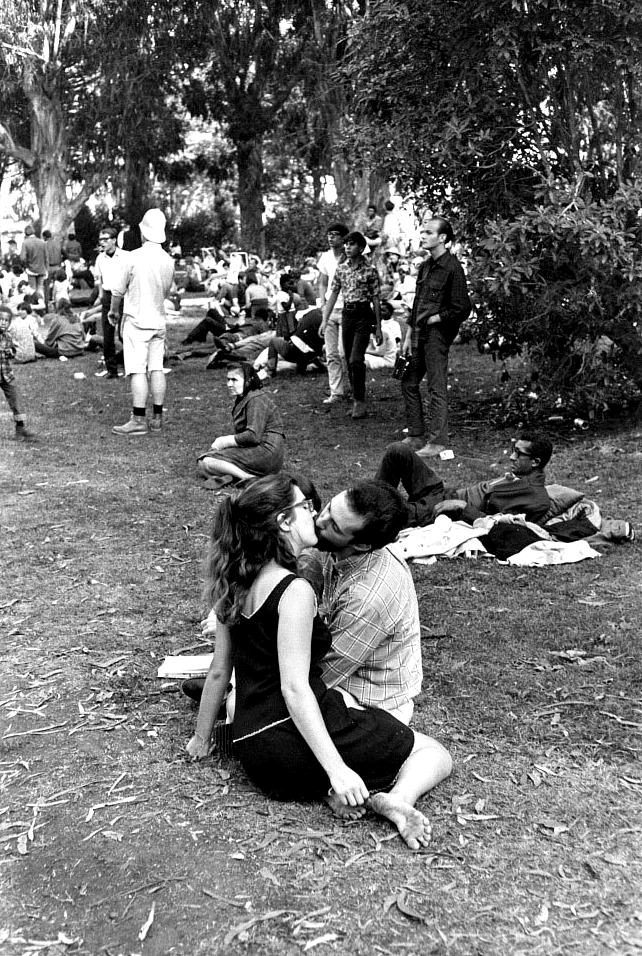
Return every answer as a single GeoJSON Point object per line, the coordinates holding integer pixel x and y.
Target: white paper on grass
{"type": "Point", "coordinates": [185, 665]}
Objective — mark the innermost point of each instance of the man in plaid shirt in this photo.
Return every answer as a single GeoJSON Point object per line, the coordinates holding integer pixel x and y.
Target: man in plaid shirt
{"type": "Point", "coordinates": [368, 599]}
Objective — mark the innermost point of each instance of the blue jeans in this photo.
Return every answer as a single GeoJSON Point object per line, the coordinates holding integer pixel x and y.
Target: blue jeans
{"type": "Point", "coordinates": [429, 359]}
{"type": "Point", "coordinates": [356, 325]}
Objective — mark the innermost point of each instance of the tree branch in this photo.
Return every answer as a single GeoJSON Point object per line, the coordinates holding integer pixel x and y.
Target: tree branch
{"type": "Point", "coordinates": [9, 147]}
{"type": "Point", "coordinates": [22, 51]}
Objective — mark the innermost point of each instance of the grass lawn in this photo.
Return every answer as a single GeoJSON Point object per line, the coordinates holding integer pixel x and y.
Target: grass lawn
{"type": "Point", "coordinates": [532, 679]}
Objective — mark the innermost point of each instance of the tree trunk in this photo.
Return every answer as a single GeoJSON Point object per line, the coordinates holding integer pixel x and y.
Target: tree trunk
{"type": "Point", "coordinates": [48, 159]}
{"type": "Point", "coordinates": [137, 189]}
{"type": "Point", "coordinates": [249, 161]}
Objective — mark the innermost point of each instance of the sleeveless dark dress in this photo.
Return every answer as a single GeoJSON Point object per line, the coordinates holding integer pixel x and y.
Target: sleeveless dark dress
{"type": "Point", "coordinates": [273, 753]}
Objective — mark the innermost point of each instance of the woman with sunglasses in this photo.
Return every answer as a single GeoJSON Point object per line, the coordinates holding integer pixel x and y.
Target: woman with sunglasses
{"type": "Point", "coordinates": [295, 738]}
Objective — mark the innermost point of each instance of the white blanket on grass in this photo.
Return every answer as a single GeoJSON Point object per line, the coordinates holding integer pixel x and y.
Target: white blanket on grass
{"type": "Point", "coordinates": [452, 539]}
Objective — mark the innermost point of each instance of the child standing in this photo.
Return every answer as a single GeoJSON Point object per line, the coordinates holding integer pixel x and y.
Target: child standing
{"type": "Point", "coordinates": [7, 377]}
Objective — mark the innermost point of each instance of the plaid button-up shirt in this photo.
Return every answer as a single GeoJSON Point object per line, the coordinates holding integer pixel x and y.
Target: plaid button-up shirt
{"type": "Point", "coordinates": [7, 351]}
{"type": "Point", "coordinates": [370, 605]}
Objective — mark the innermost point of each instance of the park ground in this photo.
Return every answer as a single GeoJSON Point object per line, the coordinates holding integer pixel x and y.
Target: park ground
{"type": "Point", "coordinates": [111, 842]}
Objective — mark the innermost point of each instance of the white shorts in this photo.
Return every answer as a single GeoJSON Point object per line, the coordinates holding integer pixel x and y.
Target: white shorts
{"type": "Point", "coordinates": [143, 349]}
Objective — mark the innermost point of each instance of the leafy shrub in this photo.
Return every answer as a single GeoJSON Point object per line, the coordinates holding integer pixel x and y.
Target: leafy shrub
{"type": "Point", "coordinates": [298, 230]}
{"type": "Point", "coordinates": [554, 281]}
{"type": "Point", "coordinates": [208, 227]}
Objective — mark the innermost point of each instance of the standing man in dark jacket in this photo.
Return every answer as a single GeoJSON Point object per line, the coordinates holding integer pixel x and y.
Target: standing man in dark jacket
{"type": "Point", "coordinates": [441, 304]}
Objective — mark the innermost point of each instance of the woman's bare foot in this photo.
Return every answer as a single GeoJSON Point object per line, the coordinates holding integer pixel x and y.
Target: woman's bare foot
{"type": "Point", "coordinates": [412, 825]}
{"type": "Point", "coordinates": [342, 810]}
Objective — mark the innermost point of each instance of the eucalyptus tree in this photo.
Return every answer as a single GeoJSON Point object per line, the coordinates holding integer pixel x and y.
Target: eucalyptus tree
{"type": "Point", "coordinates": [86, 94]}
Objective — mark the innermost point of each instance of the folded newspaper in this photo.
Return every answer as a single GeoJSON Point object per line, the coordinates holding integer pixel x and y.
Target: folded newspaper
{"type": "Point", "coordinates": [185, 665]}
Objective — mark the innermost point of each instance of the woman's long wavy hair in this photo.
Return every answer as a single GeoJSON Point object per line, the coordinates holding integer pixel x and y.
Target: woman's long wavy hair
{"type": "Point", "coordinates": [245, 536]}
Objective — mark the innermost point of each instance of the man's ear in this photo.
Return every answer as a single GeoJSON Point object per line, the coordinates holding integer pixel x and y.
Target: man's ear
{"type": "Point", "coordinates": [361, 548]}
{"type": "Point", "coordinates": [537, 462]}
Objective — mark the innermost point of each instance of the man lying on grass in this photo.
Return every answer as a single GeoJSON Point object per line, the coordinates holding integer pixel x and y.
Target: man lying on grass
{"type": "Point", "coordinates": [520, 491]}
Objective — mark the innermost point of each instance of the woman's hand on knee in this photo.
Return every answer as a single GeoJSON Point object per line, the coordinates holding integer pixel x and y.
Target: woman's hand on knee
{"type": "Point", "coordinates": [223, 441]}
{"type": "Point", "coordinates": [349, 787]}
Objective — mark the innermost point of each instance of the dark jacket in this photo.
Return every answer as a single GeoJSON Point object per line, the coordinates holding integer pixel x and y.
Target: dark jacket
{"type": "Point", "coordinates": [441, 290]}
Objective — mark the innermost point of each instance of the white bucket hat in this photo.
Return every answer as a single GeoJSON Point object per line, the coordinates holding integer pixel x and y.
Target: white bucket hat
{"type": "Point", "coordinates": [152, 226]}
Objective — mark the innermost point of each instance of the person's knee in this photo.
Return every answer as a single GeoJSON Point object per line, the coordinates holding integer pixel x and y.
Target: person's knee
{"type": "Point", "coordinates": [434, 754]}
{"type": "Point", "coordinates": [398, 454]}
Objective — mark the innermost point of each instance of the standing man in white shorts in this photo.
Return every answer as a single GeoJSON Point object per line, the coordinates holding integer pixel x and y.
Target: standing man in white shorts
{"type": "Point", "coordinates": [144, 281]}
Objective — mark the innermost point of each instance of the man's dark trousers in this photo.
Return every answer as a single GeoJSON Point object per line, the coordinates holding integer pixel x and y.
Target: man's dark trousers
{"type": "Point", "coordinates": [357, 323]}
{"type": "Point", "coordinates": [429, 359]}
{"type": "Point", "coordinates": [109, 335]}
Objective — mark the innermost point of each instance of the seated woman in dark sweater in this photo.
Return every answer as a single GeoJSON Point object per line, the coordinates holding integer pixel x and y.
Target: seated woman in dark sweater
{"type": "Point", "coordinates": [257, 445]}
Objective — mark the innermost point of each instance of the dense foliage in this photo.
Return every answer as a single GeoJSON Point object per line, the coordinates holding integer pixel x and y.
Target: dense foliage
{"type": "Point", "coordinates": [299, 229]}
{"type": "Point", "coordinates": [520, 119]}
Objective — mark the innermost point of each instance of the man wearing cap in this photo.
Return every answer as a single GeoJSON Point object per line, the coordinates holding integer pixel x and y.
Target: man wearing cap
{"type": "Point", "coordinates": [35, 260]}
{"type": "Point", "coordinates": [143, 282]}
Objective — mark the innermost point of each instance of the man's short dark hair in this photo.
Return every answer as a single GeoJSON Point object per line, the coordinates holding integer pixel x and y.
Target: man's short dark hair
{"type": "Point", "coordinates": [383, 508]}
{"type": "Point", "coordinates": [109, 231]}
{"type": "Point", "coordinates": [357, 237]}
{"type": "Point", "coordinates": [389, 205]}
{"type": "Point", "coordinates": [541, 447]}
{"type": "Point", "coordinates": [444, 228]}
{"type": "Point", "coordinates": [339, 227]}
{"type": "Point", "coordinates": [46, 234]}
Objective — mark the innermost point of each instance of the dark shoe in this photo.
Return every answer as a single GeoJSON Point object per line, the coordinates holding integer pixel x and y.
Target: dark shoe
{"type": "Point", "coordinates": [193, 688]}
{"type": "Point", "coordinates": [359, 410]}
{"type": "Point", "coordinates": [23, 434]}
{"type": "Point", "coordinates": [156, 423]}
{"type": "Point", "coordinates": [216, 482]}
